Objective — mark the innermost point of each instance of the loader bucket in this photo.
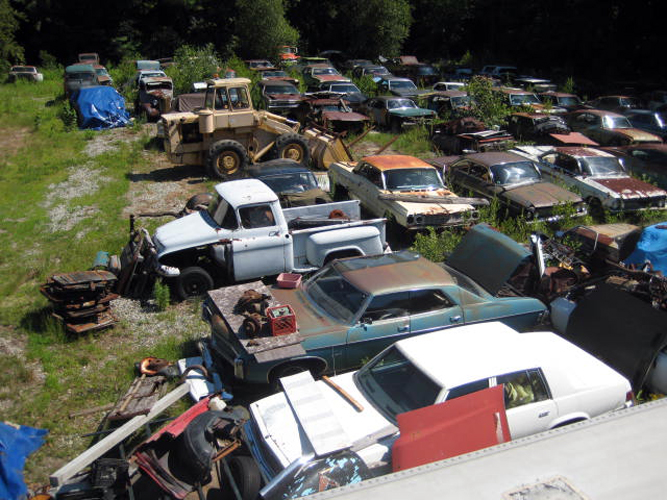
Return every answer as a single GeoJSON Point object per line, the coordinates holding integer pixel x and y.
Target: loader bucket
{"type": "Point", "coordinates": [325, 148]}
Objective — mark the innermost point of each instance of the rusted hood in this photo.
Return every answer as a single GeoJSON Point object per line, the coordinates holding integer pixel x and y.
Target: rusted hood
{"type": "Point", "coordinates": [311, 321]}
{"type": "Point", "coordinates": [574, 139]}
{"type": "Point", "coordinates": [331, 78]}
{"type": "Point", "coordinates": [342, 116]}
{"type": "Point", "coordinates": [285, 97]}
{"type": "Point", "coordinates": [540, 194]}
{"type": "Point", "coordinates": [628, 187]}
{"type": "Point", "coordinates": [638, 135]}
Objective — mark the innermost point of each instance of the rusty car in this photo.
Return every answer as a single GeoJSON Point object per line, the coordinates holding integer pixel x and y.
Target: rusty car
{"type": "Point", "coordinates": [278, 74]}
{"type": "Point", "coordinates": [316, 74]}
{"type": "Point", "coordinates": [544, 128]}
{"type": "Point", "coordinates": [353, 308]}
{"type": "Point", "coordinates": [515, 181]}
{"type": "Point", "coordinates": [396, 113]}
{"type": "Point", "coordinates": [405, 190]}
{"type": "Point", "coordinates": [154, 97]}
{"type": "Point", "coordinates": [333, 114]}
{"type": "Point", "coordinates": [469, 135]}
{"type": "Point", "coordinates": [607, 128]}
{"type": "Point", "coordinates": [402, 87]}
{"type": "Point", "coordinates": [88, 58]}
{"type": "Point", "coordinates": [515, 97]}
{"type": "Point", "coordinates": [615, 103]}
{"type": "Point", "coordinates": [599, 177]}
{"type": "Point", "coordinates": [280, 97]}
{"type": "Point", "coordinates": [567, 101]}
{"type": "Point", "coordinates": [648, 160]}
{"type": "Point", "coordinates": [23, 72]}
{"type": "Point", "coordinates": [450, 103]}
{"type": "Point", "coordinates": [259, 64]}
{"type": "Point", "coordinates": [103, 76]}
{"type": "Point", "coordinates": [654, 122]}
{"type": "Point", "coordinates": [78, 76]}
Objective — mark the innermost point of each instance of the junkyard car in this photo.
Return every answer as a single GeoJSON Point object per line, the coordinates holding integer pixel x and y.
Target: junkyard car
{"type": "Point", "coordinates": [615, 103]}
{"type": "Point", "coordinates": [598, 176]}
{"type": "Point", "coordinates": [279, 97]}
{"type": "Point", "coordinates": [651, 121]}
{"type": "Point", "coordinates": [278, 74]}
{"type": "Point", "coordinates": [259, 64]}
{"type": "Point", "coordinates": [294, 184]}
{"type": "Point", "coordinates": [607, 128]}
{"type": "Point", "coordinates": [517, 97]}
{"type": "Point", "coordinates": [375, 71]}
{"type": "Point", "coordinates": [315, 74]}
{"type": "Point", "coordinates": [516, 183]}
{"type": "Point", "coordinates": [154, 97]}
{"type": "Point", "coordinates": [424, 74]}
{"type": "Point", "coordinates": [347, 90]}
{"type": "Point", "coordinates": [29, 73]}
{"type": "Point", "coordinates": [445, 86]}
{"type": "Point", "coordinates": [569, 102]}
{"type": "Point", "coordinates": [533, 83]}
{"type": "Point", "coordinates": [333, 114]}
{"type": "Point", "coordinates": [148, 73]}
{"type": "Point", "coordinates": [78, 76]}
{"type": "Point", "coordinates": [89, 58]}
{"type": "Point", "coordinates": [402, 87]}
{"type": "Point", "coordinates": [450, 103]}
{"type": "Point", "coordinates": [406, 190]}
{"type": "Point", "coordinates": [353, 308]}
{"type": "Point", "coordinates": [469, 135]}
{"type": "Point", "coordinates": [547, 382]}
{"type": "Point", "coordinates": [545, 129]}
{"type": "Point", "coordinates": [103, 76]}
{"type": "Point", "coordinates": [644, 160]}
{"type": "Point", "coordinates": [396, 113]}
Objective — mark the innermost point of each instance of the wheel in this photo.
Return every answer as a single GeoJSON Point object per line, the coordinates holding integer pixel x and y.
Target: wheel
{"type": "Point", "coordinates": [192, 282]}
{"type": "Point", "coordinates": [290, 369]}
{"type": "Point", "coordinates": [595, 208]}
{"type": "Point", "coordinates": [395, 126]}
{"type": "Point", "coordinates": [292, 147]}
{"type": "Point", "coordinates": [246, 477]}
{"type": "Point", "coordinates": [226, 160]}
{"type": "Point", "coordinates": [199, 201]}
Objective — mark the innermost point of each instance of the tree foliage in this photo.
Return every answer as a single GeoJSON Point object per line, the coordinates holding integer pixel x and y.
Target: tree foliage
{"type": "Point", "coordinates": [10, 50]}
{"type": "Point", "coordinates": [488, 104]}
{"type": "Point", "coordinates": [261, 28]}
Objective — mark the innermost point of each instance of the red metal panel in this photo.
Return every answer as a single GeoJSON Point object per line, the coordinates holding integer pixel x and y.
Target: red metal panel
{"type": "Point", "coordinates": [445, 430]}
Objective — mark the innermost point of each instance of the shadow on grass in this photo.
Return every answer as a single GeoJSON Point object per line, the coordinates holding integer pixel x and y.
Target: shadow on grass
{"type": "Point", "coordinates": [175, 173]}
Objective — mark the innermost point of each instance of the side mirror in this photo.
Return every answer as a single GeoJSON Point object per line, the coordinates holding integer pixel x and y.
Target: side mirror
{"type": "Point", "coordinates": [366, 320]}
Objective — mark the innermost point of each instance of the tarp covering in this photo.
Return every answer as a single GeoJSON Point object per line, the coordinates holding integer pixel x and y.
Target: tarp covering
{"type": "Point", "coordinates": [16, 443]}
{"type": "Point", "coordinates": [652, 247]}
{"type": "Point", "coordinates": [100, 108]}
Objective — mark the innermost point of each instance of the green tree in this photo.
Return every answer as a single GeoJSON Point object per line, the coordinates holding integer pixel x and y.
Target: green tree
{"type": "Point", "coordinates": [261, 27]}
{"type": "Point", "coordinates": [10, 50]}
{"type": "Point", "coordinates": [488, 104]}
{"type": "Point", "coordinates": [376, 27]}
{"type": "Point", "coordinates": [193, 64]}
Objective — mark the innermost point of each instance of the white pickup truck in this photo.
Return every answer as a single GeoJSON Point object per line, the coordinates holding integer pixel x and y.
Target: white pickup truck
{"type": "Point", "coordinates": [245, 234]}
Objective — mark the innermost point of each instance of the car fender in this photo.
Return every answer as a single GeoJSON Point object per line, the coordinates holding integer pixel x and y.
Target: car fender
{"type": "Point", "coordinates": [570, 418]}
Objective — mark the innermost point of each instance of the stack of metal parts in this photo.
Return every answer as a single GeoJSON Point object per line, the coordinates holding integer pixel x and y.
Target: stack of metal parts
{"type": "Point", "coordinates": [82, 299]}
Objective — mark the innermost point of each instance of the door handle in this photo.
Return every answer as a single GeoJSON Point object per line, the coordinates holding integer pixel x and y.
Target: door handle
{"type": "Point", "coordinates": [403, 328]}
{"type": "Point", "coordinates": [455, 319]}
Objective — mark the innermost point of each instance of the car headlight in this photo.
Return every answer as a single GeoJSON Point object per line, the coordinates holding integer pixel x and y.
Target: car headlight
{"type": "Point", "coordinates": [529, 214]}
{"type": "Point", "coordinates": [419, 219]}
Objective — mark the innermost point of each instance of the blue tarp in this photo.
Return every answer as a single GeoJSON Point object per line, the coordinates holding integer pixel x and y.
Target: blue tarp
{"type": "Point", "coordinates": [16, 443]}
{"type": "Point", "coordinates": [652, 246]}
{"type": "Point", "coordinates": [100, 107]}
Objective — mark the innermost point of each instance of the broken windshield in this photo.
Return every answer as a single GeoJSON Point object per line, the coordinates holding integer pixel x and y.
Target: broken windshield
{"type": "Point", "coordinates": [413, 178]}
{"type": "Point", "coordinates": [335, 295]}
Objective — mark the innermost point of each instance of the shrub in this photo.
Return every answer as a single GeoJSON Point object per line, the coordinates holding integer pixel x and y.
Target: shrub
{"type": "Point", "coordinates": [161, 295]}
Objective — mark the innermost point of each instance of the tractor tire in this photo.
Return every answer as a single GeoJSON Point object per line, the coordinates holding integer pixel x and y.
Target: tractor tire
{"type": "Point", "coordinates": [292, 147]}
{"type": "Point", "coordinates": [226, 160]}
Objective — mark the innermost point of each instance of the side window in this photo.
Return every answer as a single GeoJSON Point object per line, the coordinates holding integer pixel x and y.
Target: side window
{"type": "Point", "coordinates": [463, 390]}
{"type": "Point", "coordinates": [524, 387]}
{"type": "Point", "coordinates": [567, 163]}
{"type": "Point", "coordinates": [257, 216]}
{"type": "Point", "coordinates": [221, 101]}
{"type": "Point", "coordinates": [392, 305]}
{"type": "Point", "coordinates": [479, 172]}
{"type": "Point", "coordinates": [422, 301]}
{"type": "Point", "coordinates": [375, 176]}
{"type": "Point", "coordinates": [460, 167]}
{"type": "Point", "coordinates": [239, 98]}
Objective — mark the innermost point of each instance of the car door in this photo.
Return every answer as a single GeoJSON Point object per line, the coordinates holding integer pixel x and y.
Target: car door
{"type": "Point", "coordinates": [529, 405]}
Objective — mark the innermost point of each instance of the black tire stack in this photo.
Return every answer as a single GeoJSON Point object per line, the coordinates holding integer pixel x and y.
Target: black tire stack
{"type": "Point", "coordinates": [82, 300]}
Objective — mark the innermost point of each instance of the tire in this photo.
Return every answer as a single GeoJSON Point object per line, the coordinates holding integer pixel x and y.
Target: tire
{"type": "Point", "coordinates": [193, 282]}
{"type": "Point", "coordinates": [195, 446]}
{"type": "Point", "coordinates": [292, 147]}
{"type": "Point", "coordinates": [595, 208]}
{"type": "Point", "coordinates": [199, 200]}
{"type": "Point", "coordinates": [226, 160]}
{"type": "Point", "coordinates": [395, 126]}
{"type": "Point", "coordinates": [246, 476]}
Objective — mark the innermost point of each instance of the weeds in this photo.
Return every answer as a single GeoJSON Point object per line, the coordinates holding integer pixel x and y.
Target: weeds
{"type": "Point", "coordinates": [161, 295]}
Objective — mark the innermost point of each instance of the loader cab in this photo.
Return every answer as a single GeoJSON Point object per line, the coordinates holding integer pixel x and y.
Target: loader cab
{"type": "Point", "coordinates": [227, 105]}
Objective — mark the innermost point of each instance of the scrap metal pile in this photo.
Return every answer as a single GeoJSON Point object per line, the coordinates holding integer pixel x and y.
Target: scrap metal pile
{"type": "Point", "coordinates": [81, 300]}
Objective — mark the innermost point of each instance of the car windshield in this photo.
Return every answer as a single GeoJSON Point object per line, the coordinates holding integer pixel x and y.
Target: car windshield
{"type": "Point", "coordinates": [402, 84]}
{"type": "Point", "coordinates": [394, 385]}
{"type": "Point", "coordinates": [152, 74]}
{"type": "Point", "coordinates": [296, 182]}
{"type": "Point", "coordinates": [158, 86]}
{"type": "Point", "coordinates": [378, 70]}
{"type": "Point", "coordinates": [413, 178]}
{"type": "Point", "coordinates": [628, 102]}
{"type": "Point", "coordinates": [510, 173]}
{"type": "Point", "coordinates": [335, 295]}
{"type": "Point", "coordinates": [426, 70]}
{"type": "Point", "coordinates": [401, 103]}
{"type": "Point", "coordinates": [601, 165]}
{"type": "Point", "coordinates": [274, 73]}
{"type": "Point", "coordinates": [102, 72]}
{"type": "Point", "coordinates": [347, 88]}
{"type": "Point", "coordinates": [80, 76]}
{"type": "Point", "coordinates": [518, 99]}
{"type": "Point", "coordinates": [325, 71]}
{"type": "Point", "coordinates": [458, 102]}
{"type": "Point", "coordinates": [616, 122]}
{"type": "Point", "coordinates": [465, 283]}
{"type": "Point", "coordinates": [569, 101]}
{"type": "Point", "coordinates": [23, 69]}
{"type": "Point", "coordinates": [281, 89]}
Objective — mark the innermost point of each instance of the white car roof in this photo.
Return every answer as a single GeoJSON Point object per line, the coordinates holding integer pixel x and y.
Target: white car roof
{"type": "Point", "coordinates": [245, 192]}
{"type": "Point", "coordinates": [468, 353]}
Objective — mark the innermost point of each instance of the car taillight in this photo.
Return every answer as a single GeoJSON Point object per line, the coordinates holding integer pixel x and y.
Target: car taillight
{"type": "Point", "coordinates": [630, 398]}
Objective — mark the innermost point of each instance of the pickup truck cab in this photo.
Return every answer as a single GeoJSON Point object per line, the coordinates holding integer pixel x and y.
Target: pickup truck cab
{"type": "Point", "coordinates": [547, 382]}
{"type": "Point", "coordinates": [245, 234]}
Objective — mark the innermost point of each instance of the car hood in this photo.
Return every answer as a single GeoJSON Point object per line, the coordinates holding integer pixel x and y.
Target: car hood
{"type": "Point", "coordinates": [409, 92]}
{"type": "Point", "coordinates": [344, 117]}
{"type": "Point", "coordinates": [483, 245]}
{"type": "Point", "coordinates": [190, 231]}
{"type": "Point", "coordinates": [440, 204]}
{"type": "Point", "coordinates": [411, 112]}
{"type": "Point", "coordinates": [626, 187]}
{"type": "Point", "coordinates": [288, 438]}
{"type": "Point", "coordinates": [539, 194]}
{"type": "Point", "coordinates": [637, 135]}
{"type": "Point", "coordinates": [285, 97]}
